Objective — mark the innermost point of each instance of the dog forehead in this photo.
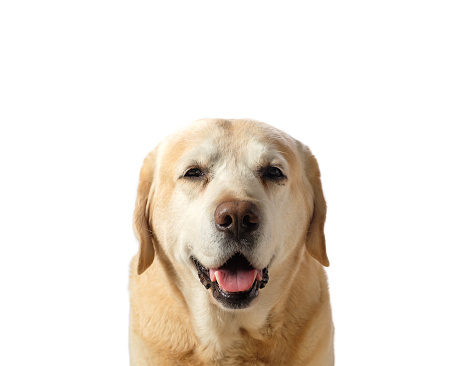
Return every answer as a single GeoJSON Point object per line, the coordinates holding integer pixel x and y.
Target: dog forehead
{"type": "Point", "coordinates": [206, 142]}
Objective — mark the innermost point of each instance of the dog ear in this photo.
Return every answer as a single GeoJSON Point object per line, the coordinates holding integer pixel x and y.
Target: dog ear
{"type": "Point", "coordinates": [142, 219]}
{"type": "Point", "coordinates": [315, 237]}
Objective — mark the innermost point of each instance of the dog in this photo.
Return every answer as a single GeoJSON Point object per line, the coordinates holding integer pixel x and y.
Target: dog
{"type": "Point", "coordinates": [230, 220]}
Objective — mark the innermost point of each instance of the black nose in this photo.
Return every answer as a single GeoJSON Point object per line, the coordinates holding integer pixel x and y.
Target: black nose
{"type": "Point", "coordinates": [237, 218]}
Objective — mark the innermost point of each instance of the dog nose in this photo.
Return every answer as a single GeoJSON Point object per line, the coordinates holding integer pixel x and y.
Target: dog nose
{"type": "Point", "coordinates": [237, 217]}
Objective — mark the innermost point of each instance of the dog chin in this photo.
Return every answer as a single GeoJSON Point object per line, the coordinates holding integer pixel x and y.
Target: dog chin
{"type": "Point", "coordinates": [235, 284]}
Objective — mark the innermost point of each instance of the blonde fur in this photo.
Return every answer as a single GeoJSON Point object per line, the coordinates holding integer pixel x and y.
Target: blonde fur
{"type": "Point", "coordinates": [174, 319]}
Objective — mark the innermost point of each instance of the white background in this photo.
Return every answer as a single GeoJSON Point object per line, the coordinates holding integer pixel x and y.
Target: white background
{"type": "Point", "coordinates": [380, 91]}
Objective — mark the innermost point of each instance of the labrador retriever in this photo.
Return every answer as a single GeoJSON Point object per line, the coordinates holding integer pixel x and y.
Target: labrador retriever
{"type": "Point", "coordinates": [230, 220]}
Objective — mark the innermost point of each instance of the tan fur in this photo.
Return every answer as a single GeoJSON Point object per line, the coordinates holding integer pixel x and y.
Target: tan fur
{"type": "Point", "coordinates": [174, 320]}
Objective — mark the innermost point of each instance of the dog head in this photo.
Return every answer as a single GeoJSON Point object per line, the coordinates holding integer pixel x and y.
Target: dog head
{"type": "Point", "coordinates": [227, 202]}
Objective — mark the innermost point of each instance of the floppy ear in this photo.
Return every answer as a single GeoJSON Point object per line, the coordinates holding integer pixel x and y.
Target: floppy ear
{"type": "Point", "coordinates": [142, 220]}
{"type": "Point", "coordinates": [315, 237]}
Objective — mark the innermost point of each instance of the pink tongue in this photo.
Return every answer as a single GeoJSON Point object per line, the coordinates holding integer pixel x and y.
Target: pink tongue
{"type": "Point", "coordinates": [233, 281]}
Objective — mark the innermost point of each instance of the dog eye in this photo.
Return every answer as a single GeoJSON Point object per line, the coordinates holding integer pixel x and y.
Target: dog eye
{"type": "Point", "coordinates": [193, 173]}
{"type": "Point", "coordinates": [272, 172]}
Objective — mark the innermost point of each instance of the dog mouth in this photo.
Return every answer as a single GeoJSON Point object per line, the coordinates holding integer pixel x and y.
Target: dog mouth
{"type": "Point", "coordinates": [235, 284]}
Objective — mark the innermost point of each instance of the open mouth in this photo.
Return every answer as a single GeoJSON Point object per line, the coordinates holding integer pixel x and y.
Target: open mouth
{"type": "Point", "coordinates": [235, 284]}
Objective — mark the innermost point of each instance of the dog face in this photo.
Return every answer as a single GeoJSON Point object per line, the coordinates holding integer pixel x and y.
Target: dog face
{"type": "Point", "coordinates": [229, 203]}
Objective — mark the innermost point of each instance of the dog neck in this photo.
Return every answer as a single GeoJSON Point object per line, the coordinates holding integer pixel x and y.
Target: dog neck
{"type": "Point", "coordinates": [191, 323]}
{"type": "Point", "coordinates": [219, 329]}
{"type": "Point", "coordinates": [202, 332]}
